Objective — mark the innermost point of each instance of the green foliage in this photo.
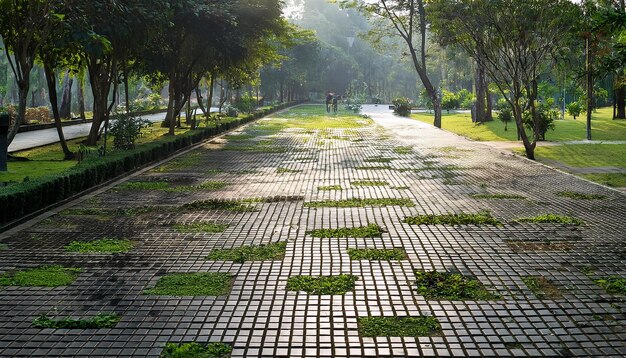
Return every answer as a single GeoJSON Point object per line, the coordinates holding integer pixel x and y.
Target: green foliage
{"type": "Point", "coordinates": [246, 104]}
{"type": "Point", "coordinates": [551, 219]}
{"type": "Point", "coordinates": [574, 109]}
{"type": "Point", "coordinates": [103, 246]}
{"type": "Point", "coordinates": [216, 204]}
{"type": "Point", "coordinates": [449, 101]}
{"type": "Point", "coordinates": [545, 115]}
{"type": "Point", "coordinates": [369, 183]}
{"type": "Point", "coordinates": [371, 230]}
{"type": "Point", "coordinates": [435, 285]}
{"type": "Point", "coordinates": [193, 284]}
{"type": "Point", "coordinates": [580, 196]}
{"type": "Point", "coordinates": [497, 196]}
{"type": "Point", "coordinates": [3, 247]}
{"type": "Point", "coordinates": [44, 276]}
{"type": "Point", "coordinates": [422, 326]}
{"type": "Point", "coordinates": [272, 251]}
{"type": "Point", "coordinates": [125, 129]}
{"type": "Point", "coordinates": [329, 187]}
{"type": "Point", "coordinates": [505, 113]}
{"type": "Point", "coordinates": [402, 106]}
{"type": "Point", "coordinates": [482, 218]}
{"type": "Point", "coordinates": [357, 202]}
{"type": "Point", "coordinates": [102, 320]}
{"type": "Point", "coordinates": [196, 350]}
{"type": "Point", "coordinates": [542, 287]}
{"type": "Point", "coordinates": [322, 285]}
{"type": "Point", "coordinates": [209, 228]}
{"type": "Point", "coordinates": [354, 104]}
{"type": "Point", "coordinates": [613, 285]}
{"type": "Point", "coordinates": [377, 254]}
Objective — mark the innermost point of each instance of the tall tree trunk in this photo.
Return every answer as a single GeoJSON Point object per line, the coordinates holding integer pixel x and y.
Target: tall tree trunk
{"type": "Point", "coordinates": [529, 146]}
{"type": "Point", "coordinates": [126, 86]}
{"type": "Point", "coordinates": [66, 99]}
{"type": "Point", "coordinates": [211, 92]}
{"type": "Point", "coordinates": [589, 69]}
{"type": "Point", "coordinates": [81, 95]}
{"type": "Point", "coordinates": [52, 92]}
{"type": "Point", "coordinates": [201, 101]}
{"type": "Point", "coordinates": [480, 93]}
{"type": "Point", "coordinates": [101, 73]}
{"type": "Point", "coordinates": [620, 102]}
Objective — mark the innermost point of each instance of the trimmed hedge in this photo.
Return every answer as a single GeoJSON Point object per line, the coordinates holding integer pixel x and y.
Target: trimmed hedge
{"type": "Point", "coordinates": [22, 199]}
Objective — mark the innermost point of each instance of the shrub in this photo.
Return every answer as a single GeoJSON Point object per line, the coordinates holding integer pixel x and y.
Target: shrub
{"type": "Point", "coordinates": [505, 114]}
{"type": "Point", "coordinates": [246, 104]}
{"type": "Point", "coordinates": [574, 109]}
{"type": "Point", "coordinates": [37, 115]}
{"type": "Point", "coordinates": [354, 104]}
{"type": "Point", "coordinates": [449, 100]}
{"type": "Point", "coordinates": [545, 117]}
{"type": "Point", "coordinates": [402, 106]}
{"type": "Point", "coordinates": [126, 129]}
{"type": "Point", "coordinates": [231, 111]}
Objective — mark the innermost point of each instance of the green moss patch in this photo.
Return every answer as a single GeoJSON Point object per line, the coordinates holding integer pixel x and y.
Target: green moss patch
{"type": "Point", "coordinates": [193, 284]}
{"type": "Point", "coordinates": [329, 187]}
{"type": "Point", "coordinates": [374, 167]}
{"type": "Point", "coordinates": [403, 150]}
{"type": "Point", "coordinates": [4, 247]}
{"type": "Point", "coordinates": [369, 183]}
{"type": "Point", "coordinates": [196, 350]}
{"type": "Point", "coordinates": [497, 196]}
{"type": "Point", "coordinates": [215, 204]}
{"type": "Point", "coordinates": [450, 286]}
{"type": "Point", "coordinates": [103, 246]}
{"type": "Point", "coordinates": [542, 288]}
{"type": "Point", "coordinates": [551, 219]}
{"type": "Point", "coordinates": [322, 285]}
{"type": "Point", "coordinates": [45, 276]}
{"type": "Point", "coordinates": [356, 202]}
{"type": "Point", "coordinates": [482, 218]}
{"type": "Point", "coordinates": [100, 321]}
{"type": "Point", "coordinates": [422, 326]}
{"type": "Point", "coordinates": [209, 228]}
{"type": "Point", "coordinates": [580, 196]}
{"type": "Point", "coordinates": [613, 285]}
{"type": "Point", "coordinates": [372, 230]}
{"type": "Point", "coordinates": [377, 254]}
{"type": "Point", "coordinates": [287, 170]}
{"type": "Point", "coordinates": [272, 251]}
{"type": "Point", "coordinates": [379, 160]}
{"type": "Point", "coordinates": [536, 245]}
{"type": "Point", "coordinates": [144, 185]}
{"type": "Point", "coordinates": [167, 187]}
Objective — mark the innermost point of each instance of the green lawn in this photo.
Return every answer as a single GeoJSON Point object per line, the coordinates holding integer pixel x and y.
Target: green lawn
{"type": "Point", "coordinates": [314, 116]}
{"type": "Point", "coordinates": [603, 127]}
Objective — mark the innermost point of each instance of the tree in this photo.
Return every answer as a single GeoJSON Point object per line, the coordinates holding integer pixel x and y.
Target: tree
{"type": "Point", "coordinates": [25, 25]}
{"type": "Point", "coordinates": [514, 40]}
{"type": "Point", "coordinates": [574, 109]}
{"type": "Point", "coordinates": [408, 19]}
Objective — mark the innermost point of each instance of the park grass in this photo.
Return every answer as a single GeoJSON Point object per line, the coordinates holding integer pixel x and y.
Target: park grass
{"type": "Point", "coordinates": [603, 127]}
{"type": "Point", "coordinates": [315, 117]}
{"type": "Point", "coordinates": [615, 180]}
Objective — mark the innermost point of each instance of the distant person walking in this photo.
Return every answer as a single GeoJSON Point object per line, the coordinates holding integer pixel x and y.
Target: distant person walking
{"type": "Point", "coordinates": [335, 103]}
{"type": "Point", "coordinates": [329, 101]}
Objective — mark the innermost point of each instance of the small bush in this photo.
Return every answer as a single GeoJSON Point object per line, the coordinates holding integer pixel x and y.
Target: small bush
{"type": "Point", "coordinates": [196, 350]}
{"type": "Point", "coordinates": [125, 129]}
{"type": "Point", "coordinates": [402, 106]}
{"type": "Point", "coordinates": [100, 321]}
{"type": "Point", "coordinates": [423, 326]}
{"type": "Point", "coordinates": [322, 285]}
{"type": "Point", "coordinates": [38, 115]}
{"type": "Point", "coordinates": [574, 109]}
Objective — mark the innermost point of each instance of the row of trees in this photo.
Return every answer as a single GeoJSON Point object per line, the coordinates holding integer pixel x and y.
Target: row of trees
{"type": "Point", "coordinates": [177, 42]}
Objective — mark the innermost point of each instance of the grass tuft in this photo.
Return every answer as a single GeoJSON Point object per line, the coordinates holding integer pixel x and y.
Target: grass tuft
{"type": "Point", "coordinates": [435, 285]}
{"type": "Point", "coordinates": [613, 285]}
{"type": "Point", "coordinates": [272, 251]}
{"type": "Point", "coordinates": [369, 183]}
{"type": "Point", "coordinates": [422, 326]}
{"type": "Point", "coordinates": [216, 204]}
{"type": "Point", "coordinates": [102, 320]}
{"type": "Point", "coordinates": [196, 350]}
{"type": "Point", "coordinates": [322, 285]}
{"type": "Point", "coordinates": [542, 288]}
{"type": "Point", "coordinates": [45, 276]}
{"type": "Point", "coordinates": [372, 230]}
{"type": "Point", "coordinates": [103, 246]}
{"type": "Point", "coordinates": [193, 284]}
{"type": "Point", "coordinates": [210, 228]}
{"type": "Point", "coordinates": [357, 202]}
{"type": "Point", "coordinates": [329, 187]}
{"type": "Point", "coordinates": [482, 218]}
{"type": "Point", "coordinates": [374, 167]}
{"type": "Point", "coordinates": [377, 254]}
{"type": "Point", "coordinates": [379, 160]}
{"type": "Point", "coordinates": [551, 219]}
{"type": "Point", "coordinates": [580, 196]}
{"type": "Point", "coordinates": [403, 150]}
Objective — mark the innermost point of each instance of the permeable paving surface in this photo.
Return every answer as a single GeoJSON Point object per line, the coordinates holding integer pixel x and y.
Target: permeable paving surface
{"type": "Point", "coordinates": [546, 282]}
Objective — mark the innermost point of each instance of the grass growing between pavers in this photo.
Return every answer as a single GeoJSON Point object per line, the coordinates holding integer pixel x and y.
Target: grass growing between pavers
{"type": "Point", "coordinates": [287, 170]}
{"type": "Point", "coordinates": [374, 167]}
{"type": "Point", "coordinates": [369, 183]}
{"type": "Point", "coordinates": [372, 230]}
{"type": "Point", "coordinates": [4, 247]}
{"type": "Point", "coordinates": [216, 204]}
{"type": "Point", "coordinates": [196, 228]}
{"type": "Point", "coordinates": [272, 251]}
{"type": "Point", "coordinates": [359, 203]}
{"type": "Point", "coordinates": [193, 284]}
{"type": "Point", "coordinates": [44, 276]}
{"type": "Point", "coordinates": [551, 219]}
{"type": "Point", "coordinates": [542, 288]}
{"type": "Point", "coordinates": [167, 187]}
{"type": "Point", "coordinates": [323, 285]}
{"type": "Point", "coordinates": [451, 286]}
{"type": "Point", "coordinates": [103, 246]}
{"type": "Point", "coordinates": [196, 350]}
{"type": "Point", "coordinates": [423, 326]}
{"type": "Point", "coordinates": [613, 285]}
{"type": "Point", "coordinates": [497, 196]}
{"type": "Point", "coordinates": [377, 254]}
{"type": "Point", "coordinates": [482, 218]}
{"type": "Point", "coordinates": [580, 196]}
{"type": "Point", "coordinates": [329, 187]}
{"type": "Point", "coordinates": [379, 160]}
{"type": "Point", "coordinates": [102, 320]}
{"type": "Point", "coordinates": [403, 150]}
{"type": "Point", "coordinates": [544, 245]}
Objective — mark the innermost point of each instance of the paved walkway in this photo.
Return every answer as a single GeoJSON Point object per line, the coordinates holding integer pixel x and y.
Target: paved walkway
{"type": "Point", "coordinates": [259, 317]}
